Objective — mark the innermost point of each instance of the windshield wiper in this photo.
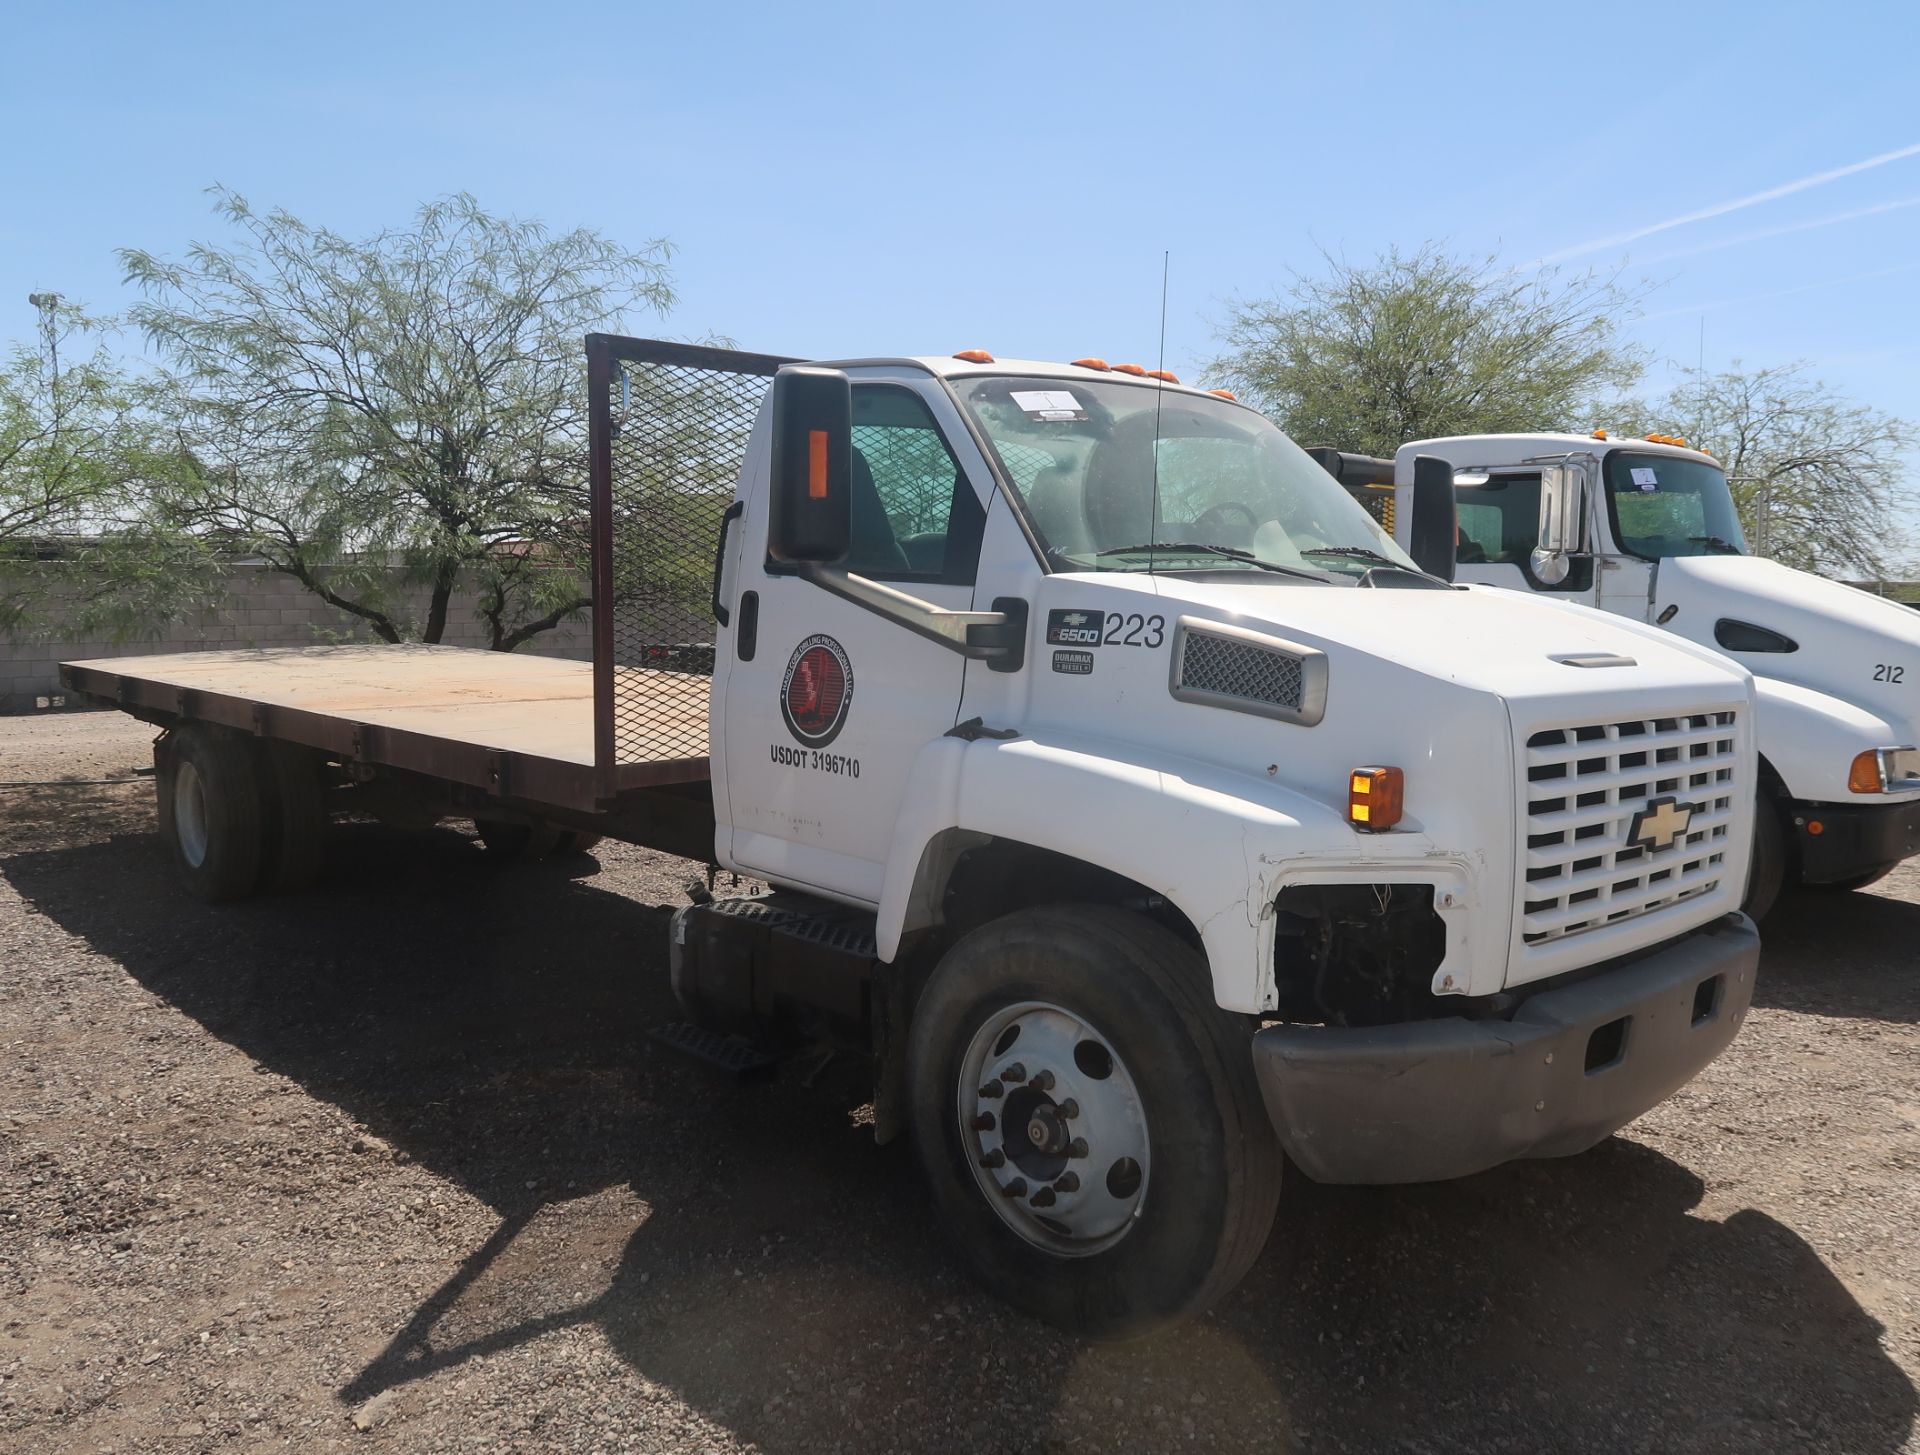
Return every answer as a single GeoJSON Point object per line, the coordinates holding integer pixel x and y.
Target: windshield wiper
{"type": "Point", "coordinates": [1362, 553]}
{"type": "Point", "coordinates": [1728, 547]}
{"type": "Point", "coordinates": [1207, 548]}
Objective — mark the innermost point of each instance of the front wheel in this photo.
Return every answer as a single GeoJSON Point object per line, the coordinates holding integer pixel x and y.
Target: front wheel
{"type": "Point", "coordinates": [1089, 1120]}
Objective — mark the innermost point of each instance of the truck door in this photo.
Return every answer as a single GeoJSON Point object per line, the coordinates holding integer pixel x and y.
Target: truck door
{"type": "Point", "coordinates": [1499, 527]}
{"type": "Point", "coordinates": [821, 706]}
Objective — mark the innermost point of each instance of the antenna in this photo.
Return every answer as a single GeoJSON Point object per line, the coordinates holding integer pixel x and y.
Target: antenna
{"type": "Point", "coordinates": [1159, 388]}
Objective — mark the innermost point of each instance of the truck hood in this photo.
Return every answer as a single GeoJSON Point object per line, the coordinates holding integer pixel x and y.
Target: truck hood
{"type": "Point", "coordinates": [1846, 643]}
{"type": "Point", "coordinates": [1479, 637]}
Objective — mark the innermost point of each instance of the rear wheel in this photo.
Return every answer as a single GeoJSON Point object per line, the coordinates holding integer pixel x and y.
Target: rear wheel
{"type": "Point", "coordinates": [1768, 870]}
{"type": "Point", "coordinates": [296, 815]}
{"type": "Point", "coordinates": [1089, 1120]}
{"type": "Point", "coordinates": [211, 811]}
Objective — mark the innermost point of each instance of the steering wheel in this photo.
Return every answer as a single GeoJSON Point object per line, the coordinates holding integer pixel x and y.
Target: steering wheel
{"type": "Point", "coordinates": [1215, 518]}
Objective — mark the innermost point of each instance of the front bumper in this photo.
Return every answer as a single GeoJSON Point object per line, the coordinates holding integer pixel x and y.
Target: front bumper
{"type": "Point", "coordinates": [1854, 837]}
{"type": "Point", "coordinates": [1429, 1100]}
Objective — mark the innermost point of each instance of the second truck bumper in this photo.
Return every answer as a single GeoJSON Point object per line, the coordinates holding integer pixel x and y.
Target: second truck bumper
{"type": "Point", "coordinates": [1429, 1100]}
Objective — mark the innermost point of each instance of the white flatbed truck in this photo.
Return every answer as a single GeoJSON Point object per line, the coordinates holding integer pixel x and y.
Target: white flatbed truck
{"type": "Point", "coordinates": [1646, 528]}
{"type": "Point", "coordinates": [1139, 805]}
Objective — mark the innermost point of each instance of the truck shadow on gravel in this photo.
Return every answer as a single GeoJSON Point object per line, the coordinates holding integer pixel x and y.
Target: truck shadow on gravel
{"type": "Point", "coordinates": [750, 1250]}
{"type": "Point", "coordinates": [1841, 954]}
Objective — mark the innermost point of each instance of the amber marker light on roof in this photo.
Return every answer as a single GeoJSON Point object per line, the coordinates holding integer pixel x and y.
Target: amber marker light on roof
{"type": "Point", "coordinates": [1100, 364]}
{"type": "Point", "coordinates": [1163, 376]}
{"type": "Point", "coordinates": [1599, 434]}
{"type": "Point", "coordinates": [1134, 369]}
{"type": "Point", "coordinates": [1224, 394]}
{"type": "Point", "coordinates": [1374, 798]}
{"type": "Point", "coordinates": [975, 356]}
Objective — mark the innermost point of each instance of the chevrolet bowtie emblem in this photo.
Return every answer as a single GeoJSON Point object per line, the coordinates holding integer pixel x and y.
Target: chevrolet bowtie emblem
{"type": "Point", "coordinates": [1658, 824]}
{"type": "Point", "coordinates": [1075, 618]}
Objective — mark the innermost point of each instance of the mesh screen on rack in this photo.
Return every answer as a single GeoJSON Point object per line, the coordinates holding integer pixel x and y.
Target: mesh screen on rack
{"type": "Point", "coordinates": [677, 432]}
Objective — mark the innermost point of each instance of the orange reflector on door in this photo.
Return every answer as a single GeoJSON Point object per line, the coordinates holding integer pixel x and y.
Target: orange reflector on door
{"type": "Point", "coordinates": [816, 464]}
{"type": "Point", "coordinates": [1375, 797]}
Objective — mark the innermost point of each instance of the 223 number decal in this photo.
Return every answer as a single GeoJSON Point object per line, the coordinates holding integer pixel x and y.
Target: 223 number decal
{"type": "Point", "coordinates": [1135, 630]}
{"type": "Point", "coordinates": [1888, 672]}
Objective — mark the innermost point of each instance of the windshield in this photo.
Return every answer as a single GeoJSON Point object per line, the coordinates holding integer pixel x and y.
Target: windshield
{"type": "Point", "coordinates": [1666, 506]}
{"type": "Point", "coordinates": [1082, 455]}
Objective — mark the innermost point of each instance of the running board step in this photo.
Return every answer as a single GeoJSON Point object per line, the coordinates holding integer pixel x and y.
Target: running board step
{"type": "Point", "coordinates": [728, 1054]}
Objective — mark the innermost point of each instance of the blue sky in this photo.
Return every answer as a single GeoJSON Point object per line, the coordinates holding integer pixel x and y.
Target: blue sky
{"type": "Point", "coordinates": [923, 178]}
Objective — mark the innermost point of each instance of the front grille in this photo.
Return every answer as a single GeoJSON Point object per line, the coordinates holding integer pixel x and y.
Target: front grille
{"type": "Point", "coordinates": [1240, 669]}
{"type": "Point", "coordinates": [1587, 784]}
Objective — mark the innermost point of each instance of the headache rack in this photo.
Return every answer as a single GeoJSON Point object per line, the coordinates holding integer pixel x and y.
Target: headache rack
{"type": "Point", "coordinates": [668, 427]}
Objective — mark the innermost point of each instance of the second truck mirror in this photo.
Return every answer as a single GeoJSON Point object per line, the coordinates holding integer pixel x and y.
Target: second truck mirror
{"type": "Point", "coordinates": [1562, 521]}
{"type": "Point", "coordinates": [812, 466]}
{"type": "Point", "coordinates": [1431, 539]}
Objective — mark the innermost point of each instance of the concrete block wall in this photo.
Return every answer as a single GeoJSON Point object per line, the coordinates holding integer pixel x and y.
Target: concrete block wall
{"type": "Point", "coordinates": [255, 608]}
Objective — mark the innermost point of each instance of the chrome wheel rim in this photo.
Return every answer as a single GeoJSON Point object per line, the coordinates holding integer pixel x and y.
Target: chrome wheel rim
{"type": "Point", "coordinates": [190, 813]}
{"type": "Point", "coordinates": [1053, 1127]}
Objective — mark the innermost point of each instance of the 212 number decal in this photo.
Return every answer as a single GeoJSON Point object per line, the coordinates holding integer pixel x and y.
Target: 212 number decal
{"type": "Point", "coordinates": [1135, 630]}
{"type": "Point", "coordinates": [1888, 672]}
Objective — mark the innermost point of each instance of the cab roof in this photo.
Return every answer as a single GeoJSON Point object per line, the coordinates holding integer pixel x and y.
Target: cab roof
{"type": "Point", "coordinates": [1510, 449]}
{"type": "Point", "coordinates": [947, 367]}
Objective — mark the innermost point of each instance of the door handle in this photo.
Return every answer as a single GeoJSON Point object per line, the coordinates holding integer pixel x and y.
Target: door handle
{"type": "Point", "coordinates": [727, 518]}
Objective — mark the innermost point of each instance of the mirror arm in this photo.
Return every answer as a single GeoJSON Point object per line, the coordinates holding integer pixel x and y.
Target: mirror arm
{"type": "Point", "coordinates": [978, 635]}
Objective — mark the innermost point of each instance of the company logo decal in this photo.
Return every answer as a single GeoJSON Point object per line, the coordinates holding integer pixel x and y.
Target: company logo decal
{"type": "Point", "coordinates": [1073, 628]}
{"type": "Point", "coordinates": [1660, 823]}
{"type": "Point", "coordinates": [817, 690]}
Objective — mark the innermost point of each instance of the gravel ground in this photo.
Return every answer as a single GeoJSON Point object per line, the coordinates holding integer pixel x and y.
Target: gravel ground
{"type": "Point", "coordinates": [391, 1166]}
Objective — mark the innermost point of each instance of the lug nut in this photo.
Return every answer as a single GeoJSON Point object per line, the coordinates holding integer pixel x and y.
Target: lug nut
{"type": "Point", "coordinates": [1016, 1188]}
{"type": "Point", "coordinates": [1069, 1109]}
{"type": "Point", "coordinates": [983, 1122]}
{"type": "Point", "coordinates": [1042, 1082]}
{"type": "Point", "coordinates": [995, 1158]}
{"type": "Point", "coordinates": [1077, 1147]}
{"type": "Point", "coordinates": [1067, 1182]}
{"type": "Point", "coordinates": [1043, 1198]}
{"type": "Point", "coordinates": [1015, 1072]}
{"type": "Point", "coordinates": [990, 1091]}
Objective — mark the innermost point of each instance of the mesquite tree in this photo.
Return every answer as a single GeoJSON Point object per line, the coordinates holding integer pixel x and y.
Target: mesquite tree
{"type": "Point", "coordinates": [414, 399]}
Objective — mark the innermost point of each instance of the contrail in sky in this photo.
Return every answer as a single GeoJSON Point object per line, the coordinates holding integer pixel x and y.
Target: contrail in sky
{"type": "Point", "coordinates": [1721, 209]}
{"type": "Point", "coordinates": [1766, 232]}
{"type": "Point", "coordinates": [1780, 292]}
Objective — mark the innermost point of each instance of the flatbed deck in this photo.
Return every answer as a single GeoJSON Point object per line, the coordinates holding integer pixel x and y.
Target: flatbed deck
{"type": "Point", "coordinates": [515, 726]}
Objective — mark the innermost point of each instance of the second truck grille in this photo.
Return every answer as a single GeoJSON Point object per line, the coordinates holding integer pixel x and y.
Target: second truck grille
{"type": "Point", "coordinates": [1624, 818]}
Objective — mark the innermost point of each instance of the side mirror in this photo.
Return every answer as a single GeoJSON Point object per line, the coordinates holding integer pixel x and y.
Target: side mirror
{"type": "Point", "coordinates": [1563, 524]}
{"type": "Point", "coordinates": [1433, 533]}
{"type": "Point", "coordinates": [811, 466]}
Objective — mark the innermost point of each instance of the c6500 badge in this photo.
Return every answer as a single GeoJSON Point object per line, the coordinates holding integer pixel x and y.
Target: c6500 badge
{"type": "Point", "coordinates": [1071, 628]}
{"type": "Point", "coordinates": [817, 691]}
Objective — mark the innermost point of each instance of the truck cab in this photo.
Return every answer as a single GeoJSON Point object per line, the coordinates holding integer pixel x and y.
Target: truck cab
{"type": "Point", "coordinates": [1646, 529]}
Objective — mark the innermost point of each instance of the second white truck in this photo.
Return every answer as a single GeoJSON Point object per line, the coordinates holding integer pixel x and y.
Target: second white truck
{"type": "Point", "coordinates": [1646, 529]}
{"type": "Point", "coordinates": [1139, 805]}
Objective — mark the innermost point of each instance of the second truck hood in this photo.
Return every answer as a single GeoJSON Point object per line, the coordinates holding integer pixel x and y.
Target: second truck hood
{"type": "Point", "coordinates": [1481, 637]}
{"type": "Point", "coordinates": [1849, 644]}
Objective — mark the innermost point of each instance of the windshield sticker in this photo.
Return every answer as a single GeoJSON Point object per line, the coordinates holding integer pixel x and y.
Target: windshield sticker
{"type": "Point", "coordinates": [1049, 406]}
{"type": "Point", "coordinates": [1645, 478]}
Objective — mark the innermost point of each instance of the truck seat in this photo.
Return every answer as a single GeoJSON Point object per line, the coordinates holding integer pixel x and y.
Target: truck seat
{"type": "Point", "coordinates": [872, 546]}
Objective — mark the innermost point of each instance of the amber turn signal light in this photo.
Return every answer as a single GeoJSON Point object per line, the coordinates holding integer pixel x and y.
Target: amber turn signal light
{"type": "Point", "coordinates": [1375, 797]}
{"type": "Point", "coordinates": [1865, 776]}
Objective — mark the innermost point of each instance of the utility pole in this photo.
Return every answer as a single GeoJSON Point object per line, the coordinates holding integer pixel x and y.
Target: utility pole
{"type": "Point", "coordinates": [49, 306]}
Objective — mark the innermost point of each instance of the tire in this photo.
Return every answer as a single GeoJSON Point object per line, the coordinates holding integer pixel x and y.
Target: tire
{"type": "Point", "coordinates": [513, 843]}
{"type": "Point", "coordinates": [296, 816]}
{"type": "Point", "coordinates": [1768, 871]}
{"type": "Point", "coordinates": [574, 842]}
{"type": "Point", "coordinates": [211, 812]}
{"type": "Point", "coordinates": [1171, 1236]}
{"type": "Point", "coordinates": [1858, 881]}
